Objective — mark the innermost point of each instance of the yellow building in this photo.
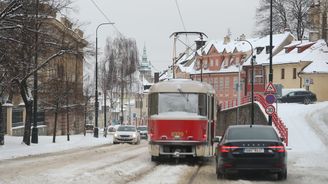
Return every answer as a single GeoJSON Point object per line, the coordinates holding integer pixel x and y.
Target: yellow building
{"type": "Point", "coordinates": [303, 65]}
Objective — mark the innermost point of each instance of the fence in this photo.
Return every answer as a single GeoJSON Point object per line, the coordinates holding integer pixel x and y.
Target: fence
{"type": "Point", "coordinates": [277, 122]}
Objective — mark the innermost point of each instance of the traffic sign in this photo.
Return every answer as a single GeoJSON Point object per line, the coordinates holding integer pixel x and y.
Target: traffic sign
{"type": "Point", "coordinates": [270, 98]}
{"type": "Point", "coordinates": [270, 109]}
{"type": "Point", "coordinates": [270, 88]}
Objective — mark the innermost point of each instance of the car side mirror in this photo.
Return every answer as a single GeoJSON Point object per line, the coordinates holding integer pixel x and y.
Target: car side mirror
{"type": "Point", "coordinates": [282, 139]}
{"type": "Point", "coordinates": [217, 139]}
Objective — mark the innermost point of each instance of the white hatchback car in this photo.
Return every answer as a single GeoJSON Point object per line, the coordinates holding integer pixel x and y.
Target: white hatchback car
{"type": "Point", "coordinates": [126, 134]}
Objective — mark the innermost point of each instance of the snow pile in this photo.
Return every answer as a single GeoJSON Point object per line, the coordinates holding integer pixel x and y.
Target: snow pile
{"type": "Point", "coordinates": [14, 147]}
{"type": "Point", "coordinates": [308, 136]}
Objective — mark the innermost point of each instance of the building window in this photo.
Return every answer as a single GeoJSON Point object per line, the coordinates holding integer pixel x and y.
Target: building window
{"type": "Point", "coordinates": [205, 64]}
{"type": "Point", "coordinates": [227, 85]}
{"type": "Point", "coordinates": [235, 85]}
{"type": "Point", "coordinates": [294, 73]}
{"type": "Point", "coordinates": [258, 76]}
{"type": "Point", "coordinates": [211, 63]}
{"type": "Point", "coordinates": [221, 86]}
{"type": "Point", "coordinates": [267, 49]}
{"type": "Point", "coordinates": [282, 73]}
{"type": "Point", "coordinates": [216, 84]}
{"type": "Point", "coordinates": [259, 50]}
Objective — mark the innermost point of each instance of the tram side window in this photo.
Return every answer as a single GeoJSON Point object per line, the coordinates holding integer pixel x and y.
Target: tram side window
{"type": "Point", "coordinates": [153, 104]}
{"type": "Point", "coordinates": [202, 103]}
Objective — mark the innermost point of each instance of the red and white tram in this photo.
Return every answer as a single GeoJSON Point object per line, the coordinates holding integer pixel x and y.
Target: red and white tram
{"type": "Point", "coordinates": [181, 119]}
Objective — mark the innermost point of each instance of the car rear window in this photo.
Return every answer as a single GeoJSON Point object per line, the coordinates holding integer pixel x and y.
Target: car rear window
{"type": "Point", "coordinates": [142, 128]}
{"type": "Point", "coordinates": [127, 128]}
{"type": "Point", "coordinates": [259, 133]}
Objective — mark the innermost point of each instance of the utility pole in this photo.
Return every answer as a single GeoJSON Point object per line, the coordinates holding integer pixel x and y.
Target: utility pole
{"type": "Point", "coordinates": [122, 94]}
{"type": "Point", "coordinates": [67, 108]}
{"type": "Point", "coordinates": [96, 130]}
{"type": "Point", "coordinates": [105, 110]}
{"type": "Point", "coordinates": [270, 72]}
{"type": "Point", "coordinates": [35, 94]}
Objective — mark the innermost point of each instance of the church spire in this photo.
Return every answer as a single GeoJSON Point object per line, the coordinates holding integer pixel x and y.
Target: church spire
{"type": "Point", "coordinates": [144, 62]}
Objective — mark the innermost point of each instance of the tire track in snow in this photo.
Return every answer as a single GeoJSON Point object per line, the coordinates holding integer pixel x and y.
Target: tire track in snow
{"type": "Point", "coordinates": [319, 124]}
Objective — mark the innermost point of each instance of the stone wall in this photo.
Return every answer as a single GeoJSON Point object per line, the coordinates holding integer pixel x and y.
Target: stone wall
{"type": "Point", "coordinates": [229, 117]}
{"type": "Point", "coordinates": [19, 131]}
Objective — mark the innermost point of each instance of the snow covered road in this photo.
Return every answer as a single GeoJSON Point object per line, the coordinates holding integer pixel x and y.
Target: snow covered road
{"type": "Point", "coordinates": [125, 163]}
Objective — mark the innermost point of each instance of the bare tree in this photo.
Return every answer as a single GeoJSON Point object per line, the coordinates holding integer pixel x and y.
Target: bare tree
{"type": "Point", "coordinates": [299, 16]}
{"type": "Point", "coordinates": [290, 15]}
{"type": "Point", "coordinates": [18, 46]}
{"type": "Point", "coordinates": [121, 61]}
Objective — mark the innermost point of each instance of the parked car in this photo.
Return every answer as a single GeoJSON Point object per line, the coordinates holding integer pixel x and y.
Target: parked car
{"type": "Point", "coordinates": [143, 130]}
{"type": "Point", "coordinates": [305, 97]}
{"type": "Point", "coordinates": [251, 148]}
{"type": "Point", "coordinates": [126, 134]}
{"type": "Point", "coordinates": [111, 130]}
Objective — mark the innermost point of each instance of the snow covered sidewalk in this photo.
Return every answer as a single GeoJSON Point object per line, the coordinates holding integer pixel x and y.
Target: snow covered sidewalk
{"type": "Point", "coordinates": [14, 147]}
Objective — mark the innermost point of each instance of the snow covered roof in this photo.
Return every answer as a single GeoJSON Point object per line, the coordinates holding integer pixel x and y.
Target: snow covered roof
{"type": "Point", "coordinates": [277, 42]}
{"type": "Point", "coordinates": [184, 85]}
{"type": "Point", "coordinates": [318, 54]}
{"type": "Point", "coordinates": [292, 56]}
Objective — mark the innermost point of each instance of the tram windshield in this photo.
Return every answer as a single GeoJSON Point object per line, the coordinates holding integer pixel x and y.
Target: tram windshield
{"type": "Point", "coordinates": [166, 103]}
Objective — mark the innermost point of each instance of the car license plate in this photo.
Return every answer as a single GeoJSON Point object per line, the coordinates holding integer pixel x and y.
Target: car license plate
{"type": "Point", "coordinates": [253, 150]}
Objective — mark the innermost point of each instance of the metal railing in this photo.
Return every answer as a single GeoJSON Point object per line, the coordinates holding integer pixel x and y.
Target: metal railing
{"type": "Point", "coordinates": [277, 122]}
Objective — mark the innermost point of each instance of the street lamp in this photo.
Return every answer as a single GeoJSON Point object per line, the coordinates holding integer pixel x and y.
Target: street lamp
{"type": "Point", "coordinates": [96, 131]}
{"type": "Point", "coordinates": [270, 69]}
{"type": "Point", "coordinates": [35, 132]}
{"type": "Point", "coordinates": [238, 91]}
{"type": "Point", "coordinates": [252, 80]}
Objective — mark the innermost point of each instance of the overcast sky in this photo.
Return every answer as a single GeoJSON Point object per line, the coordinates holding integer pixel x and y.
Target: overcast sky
{"type": "Point", "coordinates": [151, 22]}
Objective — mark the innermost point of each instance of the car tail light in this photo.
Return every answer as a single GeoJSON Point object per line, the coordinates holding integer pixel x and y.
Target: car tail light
{"type": "Point", "coordinates": [279, 149]}
{"type": "Point", "coordinates": [226, 149]}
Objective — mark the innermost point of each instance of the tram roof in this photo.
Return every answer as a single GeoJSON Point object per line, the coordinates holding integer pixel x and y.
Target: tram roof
{"type": "Point", "coordinates": [181, 85]}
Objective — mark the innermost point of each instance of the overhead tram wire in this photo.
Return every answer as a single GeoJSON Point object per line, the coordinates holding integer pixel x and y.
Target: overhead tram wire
{"type": "Point", "coordinates": [181, 19]}
{"type": "Point", "coordinates": [177, 5]}
{"type": "Point", "coordinates": [105, 16]}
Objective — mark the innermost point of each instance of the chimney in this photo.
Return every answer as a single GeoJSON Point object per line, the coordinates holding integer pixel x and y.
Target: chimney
{"type": "Point", "coordinates": [226, 40]}
{"type": "Point", "coordinates": [156, 77]}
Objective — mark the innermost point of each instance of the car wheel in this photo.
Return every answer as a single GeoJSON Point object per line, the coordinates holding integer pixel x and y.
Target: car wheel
{"type": "Point", "coordinates": [306, 101]}
{"type": "Point", "coordinates": [115, 142]}
{"type": "Point", "coordinates": [282, 175]}
{"type": "Point", "coordinates": [219, 173]}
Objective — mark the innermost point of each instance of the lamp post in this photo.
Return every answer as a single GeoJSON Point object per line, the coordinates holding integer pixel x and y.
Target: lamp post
{"type": "Point", "coordinates": [35, 133]}
{"type": "Point", "coordinates": [252, 81]}
{"type": "Point", "coordinates": [271, 71]}
{"type": "Point", "coordinates": [96, 131]}
{"type": "Point", "coordinates": [238, 91]}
